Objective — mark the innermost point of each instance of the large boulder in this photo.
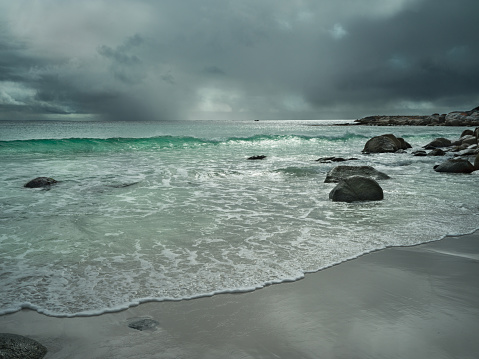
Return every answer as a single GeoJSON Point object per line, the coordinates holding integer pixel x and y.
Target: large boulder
{"type": "Point", "coordinates": [341, 172]}
{"type": "Point", "coordinates": [356, 188]}
{"type": "Point", "coordinates": [40, 182]}
{"type": "Point", "coordinates": [476, 163]}
{"type": "Point", "coordinates": [385, 143]}
{"type": "Point", "coordinates": [455, 165]}
{"type": "Point", "coordinates": [438, 143]}
{"type": "Point", "coordinates": [13, 346]}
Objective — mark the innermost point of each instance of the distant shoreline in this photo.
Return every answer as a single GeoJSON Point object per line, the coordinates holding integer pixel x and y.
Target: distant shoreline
{"type": "Point", "coordinates": [455, 118]}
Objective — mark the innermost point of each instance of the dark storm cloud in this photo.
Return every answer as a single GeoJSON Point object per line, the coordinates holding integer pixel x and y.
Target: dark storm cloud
{"type": "Point", "coordinates": [423, 55]}
{"type": "Point", "coordinates": [171, 59]}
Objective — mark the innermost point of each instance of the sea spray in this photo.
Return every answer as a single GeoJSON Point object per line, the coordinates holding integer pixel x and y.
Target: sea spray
{"type": "Point", "coordinates": [177, 211]}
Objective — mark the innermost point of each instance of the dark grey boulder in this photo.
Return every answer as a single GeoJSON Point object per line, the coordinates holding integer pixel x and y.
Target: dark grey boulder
{"type": "Point", "coordinates": [455, 165]}
{"type": "Point", "coordinates": [341, 172]}
{"type": "Point", "coordinates": [467, 152]}
{"type": "Point", "coordinates": [144, 324]}
{"type": "Point", "coordinates": [468, 140]}
{"type": "Point", "coordinates": [380, 144]}
{"type": "Point", "coordinates": [467, 133]}
{"type": "Point", "coordinates": [357, 188]}
{"type": "Point", "coordinates": [385, 144]}
{"type": "Point", "coordinates": [438, 143]}
{"type": "Point", "coordinates": [404, 145]}
{"type": "Point", "coordinates": [436, 152]}
{"type": "Point", "coordinates": [476, 163]}
{"type": "Point", "coordinates": [13, 346]}
{"type": "Point", "coordinates": [40, 182]}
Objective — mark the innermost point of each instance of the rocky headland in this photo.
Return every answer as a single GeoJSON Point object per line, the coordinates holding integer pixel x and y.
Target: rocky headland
{"type": "Point", "coordinates": [455, 118]}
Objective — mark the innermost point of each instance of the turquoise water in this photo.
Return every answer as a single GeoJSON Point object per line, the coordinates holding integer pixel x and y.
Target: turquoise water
{"type": "Point", "coordinates": [172, 210]}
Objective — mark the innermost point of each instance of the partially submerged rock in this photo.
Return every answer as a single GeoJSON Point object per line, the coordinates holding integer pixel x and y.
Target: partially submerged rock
{"type": "Point", "coordinates": [437, 152]}
{"type": "Point", "coordinates": [438, 143]}
{"type": "Point", "coordinates": [259, 157]}
{"type": "Point", "coordinates": [467, 132]}
{"type": "Point", "coordinates": [468, 140]}
{"type": "Point", "coordinates": [357, 188]}
{"type": "Point", "coordinates": [419, 153]}
{"type": "Point", "coordinates": [387, 143]}
{"type": "Point", "coordinates": [40, 182]}
{"type": "Point", "coordinates": [335, 159]}
{"type": "Point", "coordinates": [341, 172]}
{"type": "Point", "coordinates": [455, 165]}
{"type": "Point", "coordinates": [144, 324]}
{"type": "Point", "coordinates": [13, 346]}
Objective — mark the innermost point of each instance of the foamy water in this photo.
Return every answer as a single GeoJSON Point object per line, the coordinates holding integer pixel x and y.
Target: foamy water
{"type": "Point", "coordinates": [156, 211]}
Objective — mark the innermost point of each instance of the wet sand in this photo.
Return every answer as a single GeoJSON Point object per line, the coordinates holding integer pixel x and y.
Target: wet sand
{"type": "Point", "coordinates": [406, 302]}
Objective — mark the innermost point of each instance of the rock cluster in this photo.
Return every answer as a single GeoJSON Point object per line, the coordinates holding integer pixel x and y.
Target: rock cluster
{"type": "Point", "coordinates": [456, 118]}
{"type": "Point", "coordinates": [359, 183]}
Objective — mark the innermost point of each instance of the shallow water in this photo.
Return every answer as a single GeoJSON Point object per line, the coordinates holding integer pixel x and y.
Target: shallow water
{"type": "Point", "coordinates": [172, 210]}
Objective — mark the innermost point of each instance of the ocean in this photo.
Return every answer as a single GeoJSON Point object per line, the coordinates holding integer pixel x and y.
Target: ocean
{"type": "Point", "coordinates": [154, 211]}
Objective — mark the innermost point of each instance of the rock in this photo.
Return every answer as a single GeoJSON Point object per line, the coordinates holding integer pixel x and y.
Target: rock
{"type": "Point", "coordinates": [437, 143]}
{"type": "Point", "coordinates": [335, 159]}
{"type": "Point", "coordinates": [144, 324]}
{"type": "Point", "coordinates": [404, 144]}
{"type": "Point", "coordinates": [380, 144]}
{"type": "Point", "coordinates": [456, 165]}
{"type": "Point", "coordinates": [357, 188]}
{"type": "Point", "coordinates": [456, 118]}
{"type": "Point", "coordinates": [467, 133]}
{"type": "Point", "coordinates": [385, 143]}
{"type": "Point", "coordinates": [459, 148]}
{"type": "Point", "coordinates": [40, 182]}
{"type": "Point", "coordinates": [341, 172]}
{"type": "Point", "coordinates": [419, 153]}
{"type": "Point", "coordinates": [466, 152]}
{"type": "Point", "coordinates": [476, 133]}
{"type": "Point", "coordinates": [468, 140]}
{"type": "Point", "coordinates": [259, 157]}
{"type": "Point", "coordinates": [13, 346]}
{"type": "Point", "coordinates": [436, 152]}
{"type": "Point", "coordinates": [476, 163]}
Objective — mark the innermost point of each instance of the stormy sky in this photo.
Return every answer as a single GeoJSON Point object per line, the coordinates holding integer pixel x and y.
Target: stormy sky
{"type": "Point", "coordinates": [244, 59]}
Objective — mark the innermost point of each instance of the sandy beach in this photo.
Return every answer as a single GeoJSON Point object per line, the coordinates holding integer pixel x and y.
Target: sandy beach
{"type": "Point", "coordinates": [403, 302]}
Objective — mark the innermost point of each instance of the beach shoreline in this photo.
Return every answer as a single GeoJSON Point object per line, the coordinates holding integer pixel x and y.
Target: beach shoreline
{"type": "Point", "coordinates": [414, 302]}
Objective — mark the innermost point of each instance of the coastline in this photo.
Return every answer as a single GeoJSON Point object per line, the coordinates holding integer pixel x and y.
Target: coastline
{"type": "Point", "coordinates": [413, 302]}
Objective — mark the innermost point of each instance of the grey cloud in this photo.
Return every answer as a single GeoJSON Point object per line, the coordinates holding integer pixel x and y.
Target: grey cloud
{"type": "Point", "coordinates": [263, 56]}
{"type": "Point", "coordinates": [213, 70]}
